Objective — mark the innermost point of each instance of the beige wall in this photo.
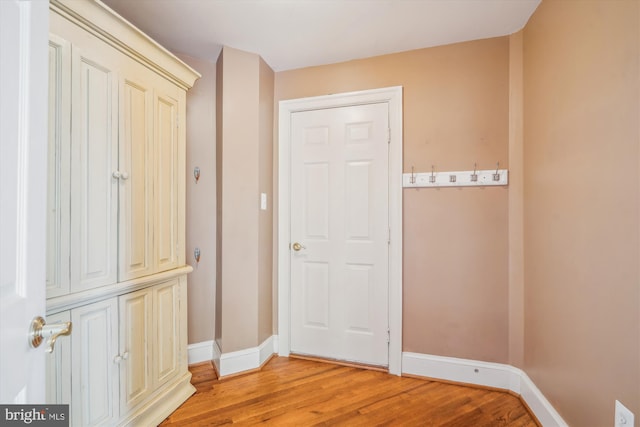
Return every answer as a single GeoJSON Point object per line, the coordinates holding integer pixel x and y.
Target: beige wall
{"type": "Point", "coordinates": [581, 206]}
{"type": "Point", "coordinates": [265, 185]}
{"type": "Point", "coordinates": [245, 156]}
{"type": "Point", "coordinates": [516, 203]}
{"type": "Point", "coordinates": [543, 275]}
{"type": "Point", "coordinates": [201, 200]}
{"type": "Point", "coordinates": [201, 206]}
{"type": "Point", "coordinates": [239, 162]}
{"type": "Point", "coordinates": [456, 113]}
{"type": "Point", "coordinates": [218, 195]}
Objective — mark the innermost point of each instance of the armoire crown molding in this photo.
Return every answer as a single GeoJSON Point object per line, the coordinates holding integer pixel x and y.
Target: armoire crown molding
{"type": "Point", "coordinates": [113, 29]}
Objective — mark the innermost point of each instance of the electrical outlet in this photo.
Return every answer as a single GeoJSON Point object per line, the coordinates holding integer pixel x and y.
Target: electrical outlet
{"type": "Point", "coordinates": [623, 417]}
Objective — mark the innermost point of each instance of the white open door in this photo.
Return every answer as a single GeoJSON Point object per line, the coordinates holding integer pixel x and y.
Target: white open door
{"type": "Point", "coordinates": [24, 28]}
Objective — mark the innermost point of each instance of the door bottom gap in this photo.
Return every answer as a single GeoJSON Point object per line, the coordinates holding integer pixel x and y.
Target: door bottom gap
{"type": "Point", "coordinates": [339, 362]}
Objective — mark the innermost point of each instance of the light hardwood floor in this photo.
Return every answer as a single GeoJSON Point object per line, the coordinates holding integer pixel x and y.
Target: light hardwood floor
{"type": "Point", "coordinates": [297, 392]}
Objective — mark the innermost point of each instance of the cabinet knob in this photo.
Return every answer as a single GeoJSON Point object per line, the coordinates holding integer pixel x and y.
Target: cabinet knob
{"type": "Point", "coordinates": [117, 358]}
{"type": "Point", "coordinates": [120, 175]}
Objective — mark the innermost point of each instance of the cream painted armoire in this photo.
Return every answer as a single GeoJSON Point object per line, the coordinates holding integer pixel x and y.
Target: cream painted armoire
{"type": "Point", "coordinates": [116, 219]}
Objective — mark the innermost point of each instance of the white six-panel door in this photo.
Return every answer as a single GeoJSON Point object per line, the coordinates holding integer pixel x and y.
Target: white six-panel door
{"type": "Point", "coordinates": [23, 164]}
{"type": "Point", "coordinates": [340, 219]}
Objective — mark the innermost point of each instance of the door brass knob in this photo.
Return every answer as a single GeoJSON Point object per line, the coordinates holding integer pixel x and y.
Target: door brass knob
{"type": "Point", "coordinates": [297, 247]}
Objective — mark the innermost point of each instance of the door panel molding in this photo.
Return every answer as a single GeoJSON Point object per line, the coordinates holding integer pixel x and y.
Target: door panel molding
{"type": "Point", "coordinates": [392, 96]}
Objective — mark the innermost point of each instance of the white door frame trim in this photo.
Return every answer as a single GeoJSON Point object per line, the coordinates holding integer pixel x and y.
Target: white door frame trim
{"type": "Point", "coordinates": [392, 96]}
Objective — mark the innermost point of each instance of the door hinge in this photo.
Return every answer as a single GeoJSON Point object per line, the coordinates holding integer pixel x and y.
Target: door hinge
{"type": "Point", "coordinates": [388, 135]}
{"type": "Point", "coordinates": [388, 336]}
{"type": "Point", "coordinates": [389, 237]}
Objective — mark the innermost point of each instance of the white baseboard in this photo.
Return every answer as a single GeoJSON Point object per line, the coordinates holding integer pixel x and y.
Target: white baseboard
{"type": "Point", "coordinates": [216, 356]}
{"type": "Point", "coordinates": [485, 374]}
{"type": "Point", "coordinates": [247, 359]}
{"type": "Point", "coordinates": [539, 405]}
{"type": "Point", "coordinates": [200, 352]}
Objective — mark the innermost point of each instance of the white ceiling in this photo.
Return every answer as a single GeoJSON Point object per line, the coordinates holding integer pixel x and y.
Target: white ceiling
{"type": "Point", "coordinates": [292, 34]}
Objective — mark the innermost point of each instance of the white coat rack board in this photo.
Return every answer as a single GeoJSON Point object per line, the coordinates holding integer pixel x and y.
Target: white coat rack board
{"type": "Point", "coordinates": [472, 178]}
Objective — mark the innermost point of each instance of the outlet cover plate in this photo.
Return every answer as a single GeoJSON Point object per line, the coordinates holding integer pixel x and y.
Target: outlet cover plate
{"type": "Point", "coordinates": [624, 417]}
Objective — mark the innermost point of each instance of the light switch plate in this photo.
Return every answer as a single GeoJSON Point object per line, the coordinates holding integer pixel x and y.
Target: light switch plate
{"type": "Point", "coordinates": [624, 417]}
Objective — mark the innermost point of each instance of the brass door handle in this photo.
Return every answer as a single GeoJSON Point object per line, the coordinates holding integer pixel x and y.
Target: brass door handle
{"type": "Point", "coordinates": [39, 331]}
{"type": "Point", "coordinates": [297, 247]}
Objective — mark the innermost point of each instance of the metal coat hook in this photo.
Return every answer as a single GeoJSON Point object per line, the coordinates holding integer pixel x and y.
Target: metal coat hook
{"type": "Point", "coordinates": [432, 178]}
{"type": "Point", "coordinates": [196, 173]}
{"type": "Point", "coordinates": [196, 255]}
{"type": "Point", "coordinates": [474, 175]}
{"type": "Point", "coordinates": [412, 180]}
{"type": "Point", "coordinates": [496, 176]}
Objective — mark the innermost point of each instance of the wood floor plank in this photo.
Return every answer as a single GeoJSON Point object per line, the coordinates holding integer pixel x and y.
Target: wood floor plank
{"type": "Point", "coordinates": [299, 392]}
